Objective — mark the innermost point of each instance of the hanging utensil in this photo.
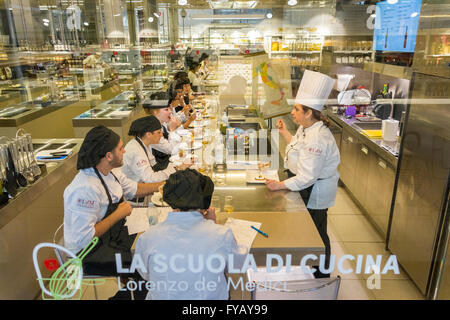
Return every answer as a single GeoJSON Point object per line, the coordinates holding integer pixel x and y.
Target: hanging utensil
{"type": "Point", "coordinates": [28, 174]}
{"type": "Point", "coordinates": [12, 155]}
{"type": "Point", "coordinates": [27, 166]}
{"type": "Point", "coordinates": [3, 193]}
{"type": "Point", "coordinates": [34, 166]}
{"type": "Point", "coordinates": [10, 183]}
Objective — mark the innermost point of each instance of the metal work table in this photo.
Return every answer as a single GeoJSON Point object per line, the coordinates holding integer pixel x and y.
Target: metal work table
{"type": "Point", "coordinates": [375, 144]}
{"type": "Point", "coordinates": [32, 217]}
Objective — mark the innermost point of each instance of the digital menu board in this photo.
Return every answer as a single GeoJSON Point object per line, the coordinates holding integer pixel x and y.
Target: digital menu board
{"type": "Point", "coordinates": [396, 24]}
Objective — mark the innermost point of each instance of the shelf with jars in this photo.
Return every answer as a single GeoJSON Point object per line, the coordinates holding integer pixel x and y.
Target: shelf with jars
{"type": "Point", "coordinates": [305, 42]}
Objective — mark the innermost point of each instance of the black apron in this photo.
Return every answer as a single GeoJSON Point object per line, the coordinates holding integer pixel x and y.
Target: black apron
{"type": "Point", "coordinates": [162, 159]}
{"type": "Point", "coordinates": [319, 218]}
{"type": "Point", "coordinates": [101, 260]}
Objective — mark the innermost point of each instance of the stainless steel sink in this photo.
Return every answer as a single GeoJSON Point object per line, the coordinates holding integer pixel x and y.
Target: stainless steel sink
{"type": "Point", "coordinates": [368, 125]}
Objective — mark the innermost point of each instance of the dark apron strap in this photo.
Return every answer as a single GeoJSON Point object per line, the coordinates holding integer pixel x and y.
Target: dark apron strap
{"type": "Point", "coordinates": [305, 193]}
{"type": "Point", "coordinates": [162, 159]}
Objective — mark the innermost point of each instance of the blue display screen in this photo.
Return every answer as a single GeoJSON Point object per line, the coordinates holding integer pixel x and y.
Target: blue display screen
{"type": "Point", "coordinates": [396, 24]}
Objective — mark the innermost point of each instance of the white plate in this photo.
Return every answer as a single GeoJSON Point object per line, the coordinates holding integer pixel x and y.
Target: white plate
{"type": "Point", "coordinates": [183, 132]}
{"type": "Point", "coordinates": [176, 158]}
{"type": "Point", "coordinates": [252, 176]}
{"type": "Point", "coordinates": [157, 200]}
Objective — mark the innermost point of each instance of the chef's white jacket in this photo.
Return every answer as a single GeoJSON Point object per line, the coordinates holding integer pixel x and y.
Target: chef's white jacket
{"type": "Point", "coordinates": [313, 156]}
{"type": "Point", "coordinates": [136, 165]}
{"type": "Point", "coordinates": [184, 234]}
{"type": "Point", "coordinates": [85, 204]}
{"type": "Point", "coordinates": [168, 146]}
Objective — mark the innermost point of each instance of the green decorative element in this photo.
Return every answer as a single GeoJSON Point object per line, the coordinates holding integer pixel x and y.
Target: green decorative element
{"type": "Point", "coordinates": [69, 277]}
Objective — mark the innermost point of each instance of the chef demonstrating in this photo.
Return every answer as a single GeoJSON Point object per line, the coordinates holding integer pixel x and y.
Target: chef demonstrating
{"type": "Point", "coordinates": [170, 139]}
{"type": "Point", "coordinates": [312, 156]}
{"type": "Point", "coordinates": [139, 164]}
{"type": "Point", "coordinates": [94, 203]}
{"type": "Point", "coordinates": [190, 230]}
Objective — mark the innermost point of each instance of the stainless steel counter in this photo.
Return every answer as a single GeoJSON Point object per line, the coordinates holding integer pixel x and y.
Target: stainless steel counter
{"type": "Point", "coordinates": [378, 145]}
{"type": "Point", "coordinates": [31, 218]}
{"type": "Point", "coordinates": [32, 112]}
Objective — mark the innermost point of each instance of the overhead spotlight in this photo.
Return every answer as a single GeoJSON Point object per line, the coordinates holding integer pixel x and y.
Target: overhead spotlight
{"type": "Point", "coordinates": [86, 24]}
{"type": "Point", "coordinates": [46, 24]}
{"type": "Point", "coordinates": [182, 2]}
{"type": "Point", "coordinates": [414, 14]}
{"type": "Point", "coordinates": [392, 1]}
{"type": "Point", "coordinates": [292, 2]}
{"type": "Point", "coordinates": [46, 20]}
{"type": "Point", "coordinates": [269, 15]}
{"type": "Point", "coordinates": [150, 19]}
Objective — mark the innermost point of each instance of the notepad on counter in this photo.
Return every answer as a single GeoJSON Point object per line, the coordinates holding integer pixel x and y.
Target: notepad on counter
{"type": "Point", "coordinates": [243, 232]}
{"type": "Point", "coordinates": [137, 221]}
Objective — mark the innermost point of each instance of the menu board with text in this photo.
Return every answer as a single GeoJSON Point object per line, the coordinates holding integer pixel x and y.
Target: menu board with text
{"type": "Point", "coordinates": [396, 24]}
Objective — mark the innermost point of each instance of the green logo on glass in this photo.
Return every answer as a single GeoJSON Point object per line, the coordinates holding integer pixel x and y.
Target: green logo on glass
{"type": "Point", "coordinates": [66, 281]}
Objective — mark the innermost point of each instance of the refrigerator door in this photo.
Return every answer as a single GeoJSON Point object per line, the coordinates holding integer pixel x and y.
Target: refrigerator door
{"type": "Point", "coordinates": [422, 179]}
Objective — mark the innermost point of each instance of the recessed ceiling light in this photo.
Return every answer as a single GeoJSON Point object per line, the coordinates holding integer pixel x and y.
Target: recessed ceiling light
{"type": "Point", "coordinates": [182, 2]}
{"type": "Point", "coordinates": [392, 1]}
{"type": "Point", "coordinates": [86, 24]}
{"type": "Point", "coordinates": [150, 19]}
{"type": "Point", "coordinates": [269, 15]}
{"type": "Point", "coordinates": [414, 14]}
{"type": "Point", "coordinates": [292, 2]}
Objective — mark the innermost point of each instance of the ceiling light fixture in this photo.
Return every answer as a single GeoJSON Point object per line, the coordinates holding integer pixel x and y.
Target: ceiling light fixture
{"type": "Point", "coordinates": [292, 2]}
{"type": "Point", "coordinates": [156, 14]}
{"type": "Point", "coordinates": [150, 19]}
{"type": "Point", "coordinates": [182, 2]}
{"type": "Point", "coordinates": [269, 15]}
{"type": "Point", "coordinates": [86, 24]}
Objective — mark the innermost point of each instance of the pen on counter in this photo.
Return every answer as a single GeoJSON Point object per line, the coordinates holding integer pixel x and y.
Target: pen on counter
{"type": "Point", "coordinates": [263, 233]}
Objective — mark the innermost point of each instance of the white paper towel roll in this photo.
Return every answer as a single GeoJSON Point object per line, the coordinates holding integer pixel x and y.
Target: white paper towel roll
{"type": "Point", "coordinates": [389, 130]}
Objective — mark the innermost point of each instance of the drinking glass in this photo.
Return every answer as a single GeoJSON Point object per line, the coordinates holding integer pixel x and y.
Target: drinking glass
{"type": "Point", "coordinates": [215, 203]}
{"type": "Point", "coordinates": [228, 207]}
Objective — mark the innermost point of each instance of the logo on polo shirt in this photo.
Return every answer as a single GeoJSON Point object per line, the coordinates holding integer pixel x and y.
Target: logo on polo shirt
{"type": "Point", "coordinates": [141, 163]}
{"type": "Point", "coordinates": [86, 203]}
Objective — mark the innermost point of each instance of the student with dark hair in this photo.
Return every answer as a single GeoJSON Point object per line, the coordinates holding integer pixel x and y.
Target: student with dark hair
{"type": "Point", "coordinates": [190, 229]}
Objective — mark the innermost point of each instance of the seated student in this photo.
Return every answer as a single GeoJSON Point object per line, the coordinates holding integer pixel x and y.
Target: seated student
{"type": "Point", "coordinates": [176, 77]}
{"type": "Point", "coordinates": [180, 109]}
{"type": "Point", "coordinates": [193, 78]}
{"type": "Point", "coordinates": [94, 204]}
{"type": "Point", "coordinates": [139, 164]}
{"type": "Point", "coordinates": [170, 139]}
{"type": "Point", "coordinates": [189, 230]}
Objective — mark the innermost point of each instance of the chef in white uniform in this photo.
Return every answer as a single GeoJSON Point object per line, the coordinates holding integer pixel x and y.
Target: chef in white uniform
{"type": "Point", "coordinates": [139, 164]}
{"type": "Point", "coordinates": [94, 203]}
{"type": "Point", "coordinates": [312, 156]}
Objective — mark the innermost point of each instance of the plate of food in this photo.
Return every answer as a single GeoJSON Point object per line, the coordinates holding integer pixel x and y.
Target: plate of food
{"type": "Point", "coordinates": [183, 132]}
{"type": "Point", "coordinates": [158, 201]}
{"type": "Point", "coordinates": [256, 176]}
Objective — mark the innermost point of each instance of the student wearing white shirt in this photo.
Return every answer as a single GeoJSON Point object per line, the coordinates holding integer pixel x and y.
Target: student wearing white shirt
{"type": "Point", "coordinates": [139, 164]}
{"type": "Point", "coordinates": [190, 230]}
{"type": "Point", "coordinates": [170, 139]}
{"type": "Point", "coordinates": [94, 204]}
{"type": "Point", "coordinates": [312, 156]}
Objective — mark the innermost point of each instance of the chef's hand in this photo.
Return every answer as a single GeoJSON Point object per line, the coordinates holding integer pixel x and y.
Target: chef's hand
{"type": "Point", "coordinates": [210, 214]}
{"type": "Point", "coordinates": [274, 185]}
{"type": "Point", "coordinates": [174, 123]}
{"type": "Point", "coordinates": [124, 209]}
{"type": "Point", "coordinates": [280, 125]}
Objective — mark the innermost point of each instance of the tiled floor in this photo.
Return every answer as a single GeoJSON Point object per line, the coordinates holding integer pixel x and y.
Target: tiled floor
{"type": "Point", "coordinates": [350, 233]}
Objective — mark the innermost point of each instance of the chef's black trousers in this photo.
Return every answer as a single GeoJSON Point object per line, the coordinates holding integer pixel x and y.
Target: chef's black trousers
{"type": "Point", "coordinates": [320, 220]}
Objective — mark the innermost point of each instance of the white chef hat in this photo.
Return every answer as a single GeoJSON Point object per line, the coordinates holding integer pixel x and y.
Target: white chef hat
{"type": "Point", "coordinates": [314, 90]}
